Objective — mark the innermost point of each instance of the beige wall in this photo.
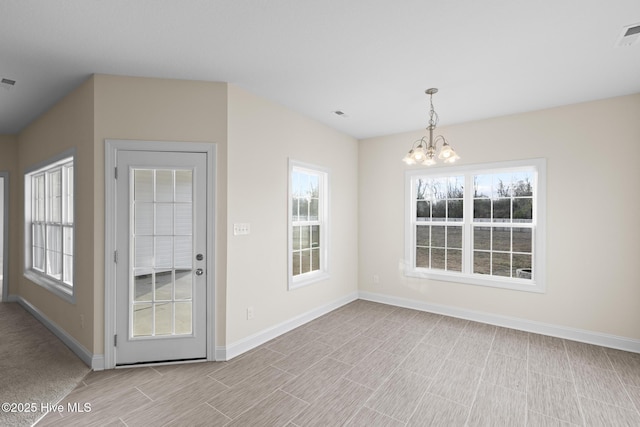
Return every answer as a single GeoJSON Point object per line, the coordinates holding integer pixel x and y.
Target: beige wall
{"type": "Point", "coordinates": [159, 110]}
{"type": "Point", "coordinates": [9, 163]}
{"type": "Point", "coordinates": [69, 124]}
{"type": "Point", "coordinates": [262, 136]}
{"type": "Point", "coordinates": [592, 150]}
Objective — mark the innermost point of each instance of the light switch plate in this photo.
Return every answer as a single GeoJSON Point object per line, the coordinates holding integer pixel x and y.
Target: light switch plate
{"type": "Point", "coordinates": [240, 229]}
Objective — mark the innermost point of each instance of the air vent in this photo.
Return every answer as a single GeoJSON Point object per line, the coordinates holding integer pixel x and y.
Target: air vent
{"type": "Point", "coordinates": [7, 84]}
{"type": "Point", "coordinates": [629, 35]}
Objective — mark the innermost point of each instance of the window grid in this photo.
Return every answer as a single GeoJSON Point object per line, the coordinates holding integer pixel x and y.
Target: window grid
{"type": "Point", "coordinates": [306, 221]}
{"type": "Point", "coordinates": [52, 222]}
{"type": "Point", "coordinates": [438, 228]}
{"type": "Point", "coordinates": [496, 232]}
{"type": "Point", "coordinates": [307, 224]}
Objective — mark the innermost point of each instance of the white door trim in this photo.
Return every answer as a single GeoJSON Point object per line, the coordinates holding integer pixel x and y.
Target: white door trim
{"type": "Point", "coordinates": [112, 146]}
{"type": "Point", "coordinates": [4, 243]}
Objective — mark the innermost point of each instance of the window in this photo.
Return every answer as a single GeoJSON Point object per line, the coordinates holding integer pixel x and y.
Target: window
{"type": "Point", "coordinates": [49, 225]}
{"type": "Point", "coordinates": [481, 224]}
{"type": "Point", "coordinates": [308, 225]}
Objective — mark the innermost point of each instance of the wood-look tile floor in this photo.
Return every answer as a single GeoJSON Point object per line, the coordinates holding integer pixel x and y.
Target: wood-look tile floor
{"type": "Point", "coordinates": [369, 364]}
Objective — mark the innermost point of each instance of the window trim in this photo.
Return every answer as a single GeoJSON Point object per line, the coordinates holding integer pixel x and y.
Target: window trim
{"type": "Point", "coordinates": [304, 279]}
{"type": "Point", "coordinates": [56, 286]}
{"type": "Point", "coordinates": [538, 284]}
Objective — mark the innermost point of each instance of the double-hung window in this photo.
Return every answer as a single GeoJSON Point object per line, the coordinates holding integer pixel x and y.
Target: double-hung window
{"type": "Point", "coordinates": [308, 224]}
{"type": "Point", "coordinates": [49, 225]}
{"type": "Point", "coordinates": [480, 224]}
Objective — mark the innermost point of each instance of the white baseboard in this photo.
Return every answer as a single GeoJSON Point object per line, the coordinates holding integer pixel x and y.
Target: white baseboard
{"type": "Point", "coordinates": [253, 341]}
{"type": "Point", "coordinates": [95, 362]}
{"type": "Point", "coordinates": [604, 340]}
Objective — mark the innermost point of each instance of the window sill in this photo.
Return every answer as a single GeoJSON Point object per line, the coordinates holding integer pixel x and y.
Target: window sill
{"type": "Point", "coordinates": [490, 281]}
{"type": "Point", "coordinates": [64, 291]}
{"type": "Point", "coordinates": [307, 279]}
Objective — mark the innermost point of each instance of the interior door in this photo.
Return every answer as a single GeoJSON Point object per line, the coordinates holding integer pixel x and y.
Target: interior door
{"type": "Point", "coordinates": [161, 257]}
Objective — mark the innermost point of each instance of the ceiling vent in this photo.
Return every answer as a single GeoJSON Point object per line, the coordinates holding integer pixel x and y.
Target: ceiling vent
{"type": "Point", "coordinates": [7, 84]}
{"type": "Point", "coordinates": [629, 35]}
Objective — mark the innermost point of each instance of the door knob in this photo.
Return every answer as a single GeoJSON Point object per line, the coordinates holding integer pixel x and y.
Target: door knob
{"type": "Point", "coordinates": [199, 272]}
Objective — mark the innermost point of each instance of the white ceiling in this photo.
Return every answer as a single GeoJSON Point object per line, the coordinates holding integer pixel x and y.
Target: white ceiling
{"type": "Point", "coordinates": [372, 59]}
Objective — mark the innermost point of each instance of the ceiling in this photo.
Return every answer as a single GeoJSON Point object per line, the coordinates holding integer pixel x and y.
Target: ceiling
{"type": "Point", "coordinates": [371, 59]}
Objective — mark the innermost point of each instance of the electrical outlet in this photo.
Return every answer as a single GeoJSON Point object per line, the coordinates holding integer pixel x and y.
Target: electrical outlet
{"type": "Point", "coordinates": [249, 313]}
{"type": "Point", "coordinates": [82, 321]}
{"type": "Point", "coordinates": [376, 279]}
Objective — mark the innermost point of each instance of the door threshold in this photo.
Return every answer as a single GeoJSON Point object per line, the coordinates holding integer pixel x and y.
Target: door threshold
{"type": "Point", "coordinates": [161, 363]}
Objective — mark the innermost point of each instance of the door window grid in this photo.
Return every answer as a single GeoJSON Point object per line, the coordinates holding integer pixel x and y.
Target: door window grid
{"type": "Point", "coordinates": [162, 210]}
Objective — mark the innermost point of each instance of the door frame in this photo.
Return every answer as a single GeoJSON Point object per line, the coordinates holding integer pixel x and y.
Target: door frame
{"type": "Point", "coordinates": [4, 244]}
{"type": "Point", "coordinates": [112, 147]}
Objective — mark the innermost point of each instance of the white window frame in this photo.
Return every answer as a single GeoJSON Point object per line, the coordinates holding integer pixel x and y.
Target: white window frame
{"type": "Point", "coordinates": [537, 284]}
{"type": "Point", "coordinates": [322, 273]}
{"type": "Point", "coordinates": [41, 276]}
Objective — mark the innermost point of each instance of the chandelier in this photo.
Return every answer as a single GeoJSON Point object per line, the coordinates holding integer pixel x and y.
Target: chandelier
{"type": "Point", "coordinates": [425, 152]}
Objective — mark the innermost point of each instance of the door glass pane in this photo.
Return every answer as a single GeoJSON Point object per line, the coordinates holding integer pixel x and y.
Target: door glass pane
{"type": "Point", "coordinates": [164, 186]}
{"type": "Point", "coordinates": [184, 219]}
{"type": "Point", "coordinates": [142, 288]}
{"type": "Point", "coordinates": [164, 219]}
{"type": "Point", "coordinates": [184, 186]}
{"type": "Point", "coordinates": [164, 285]}
{"type": "Point", "coordinates": [184, 284]}
{"type": "Point", "coordinates": [183, 252]}
{"type": "Point", "coordinates": [163, 252]}
{"type": "Point", "coordinates": [142, 320]}
{"type": "Point", "coordinates": [143, 219]}
{"type": "Point", "coordinates": [143, 252]}
{"type": "Point", "coordinates": [183, 318]}
{"type": "Point", "coordinates": [143, 185]}
{"type": "Point", "coordinates": [164, 318]}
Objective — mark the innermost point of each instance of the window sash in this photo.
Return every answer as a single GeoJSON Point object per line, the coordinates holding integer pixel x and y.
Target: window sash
{"type": "Point", "coordinates": [52, 222]}
{"type": "Point", "coordinates": [307, 224]}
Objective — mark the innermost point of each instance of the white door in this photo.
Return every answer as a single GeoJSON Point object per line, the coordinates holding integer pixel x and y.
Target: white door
{"type": "Point", "coordinates": [161, 257]}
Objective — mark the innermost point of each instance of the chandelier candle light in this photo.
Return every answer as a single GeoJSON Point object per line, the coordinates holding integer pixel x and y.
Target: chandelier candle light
{"type": "Point", "coordinates": [425, 152]}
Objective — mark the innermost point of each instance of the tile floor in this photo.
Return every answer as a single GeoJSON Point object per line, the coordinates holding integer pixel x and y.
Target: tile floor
{"type": "Point", "coordinates": [369, 364]}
